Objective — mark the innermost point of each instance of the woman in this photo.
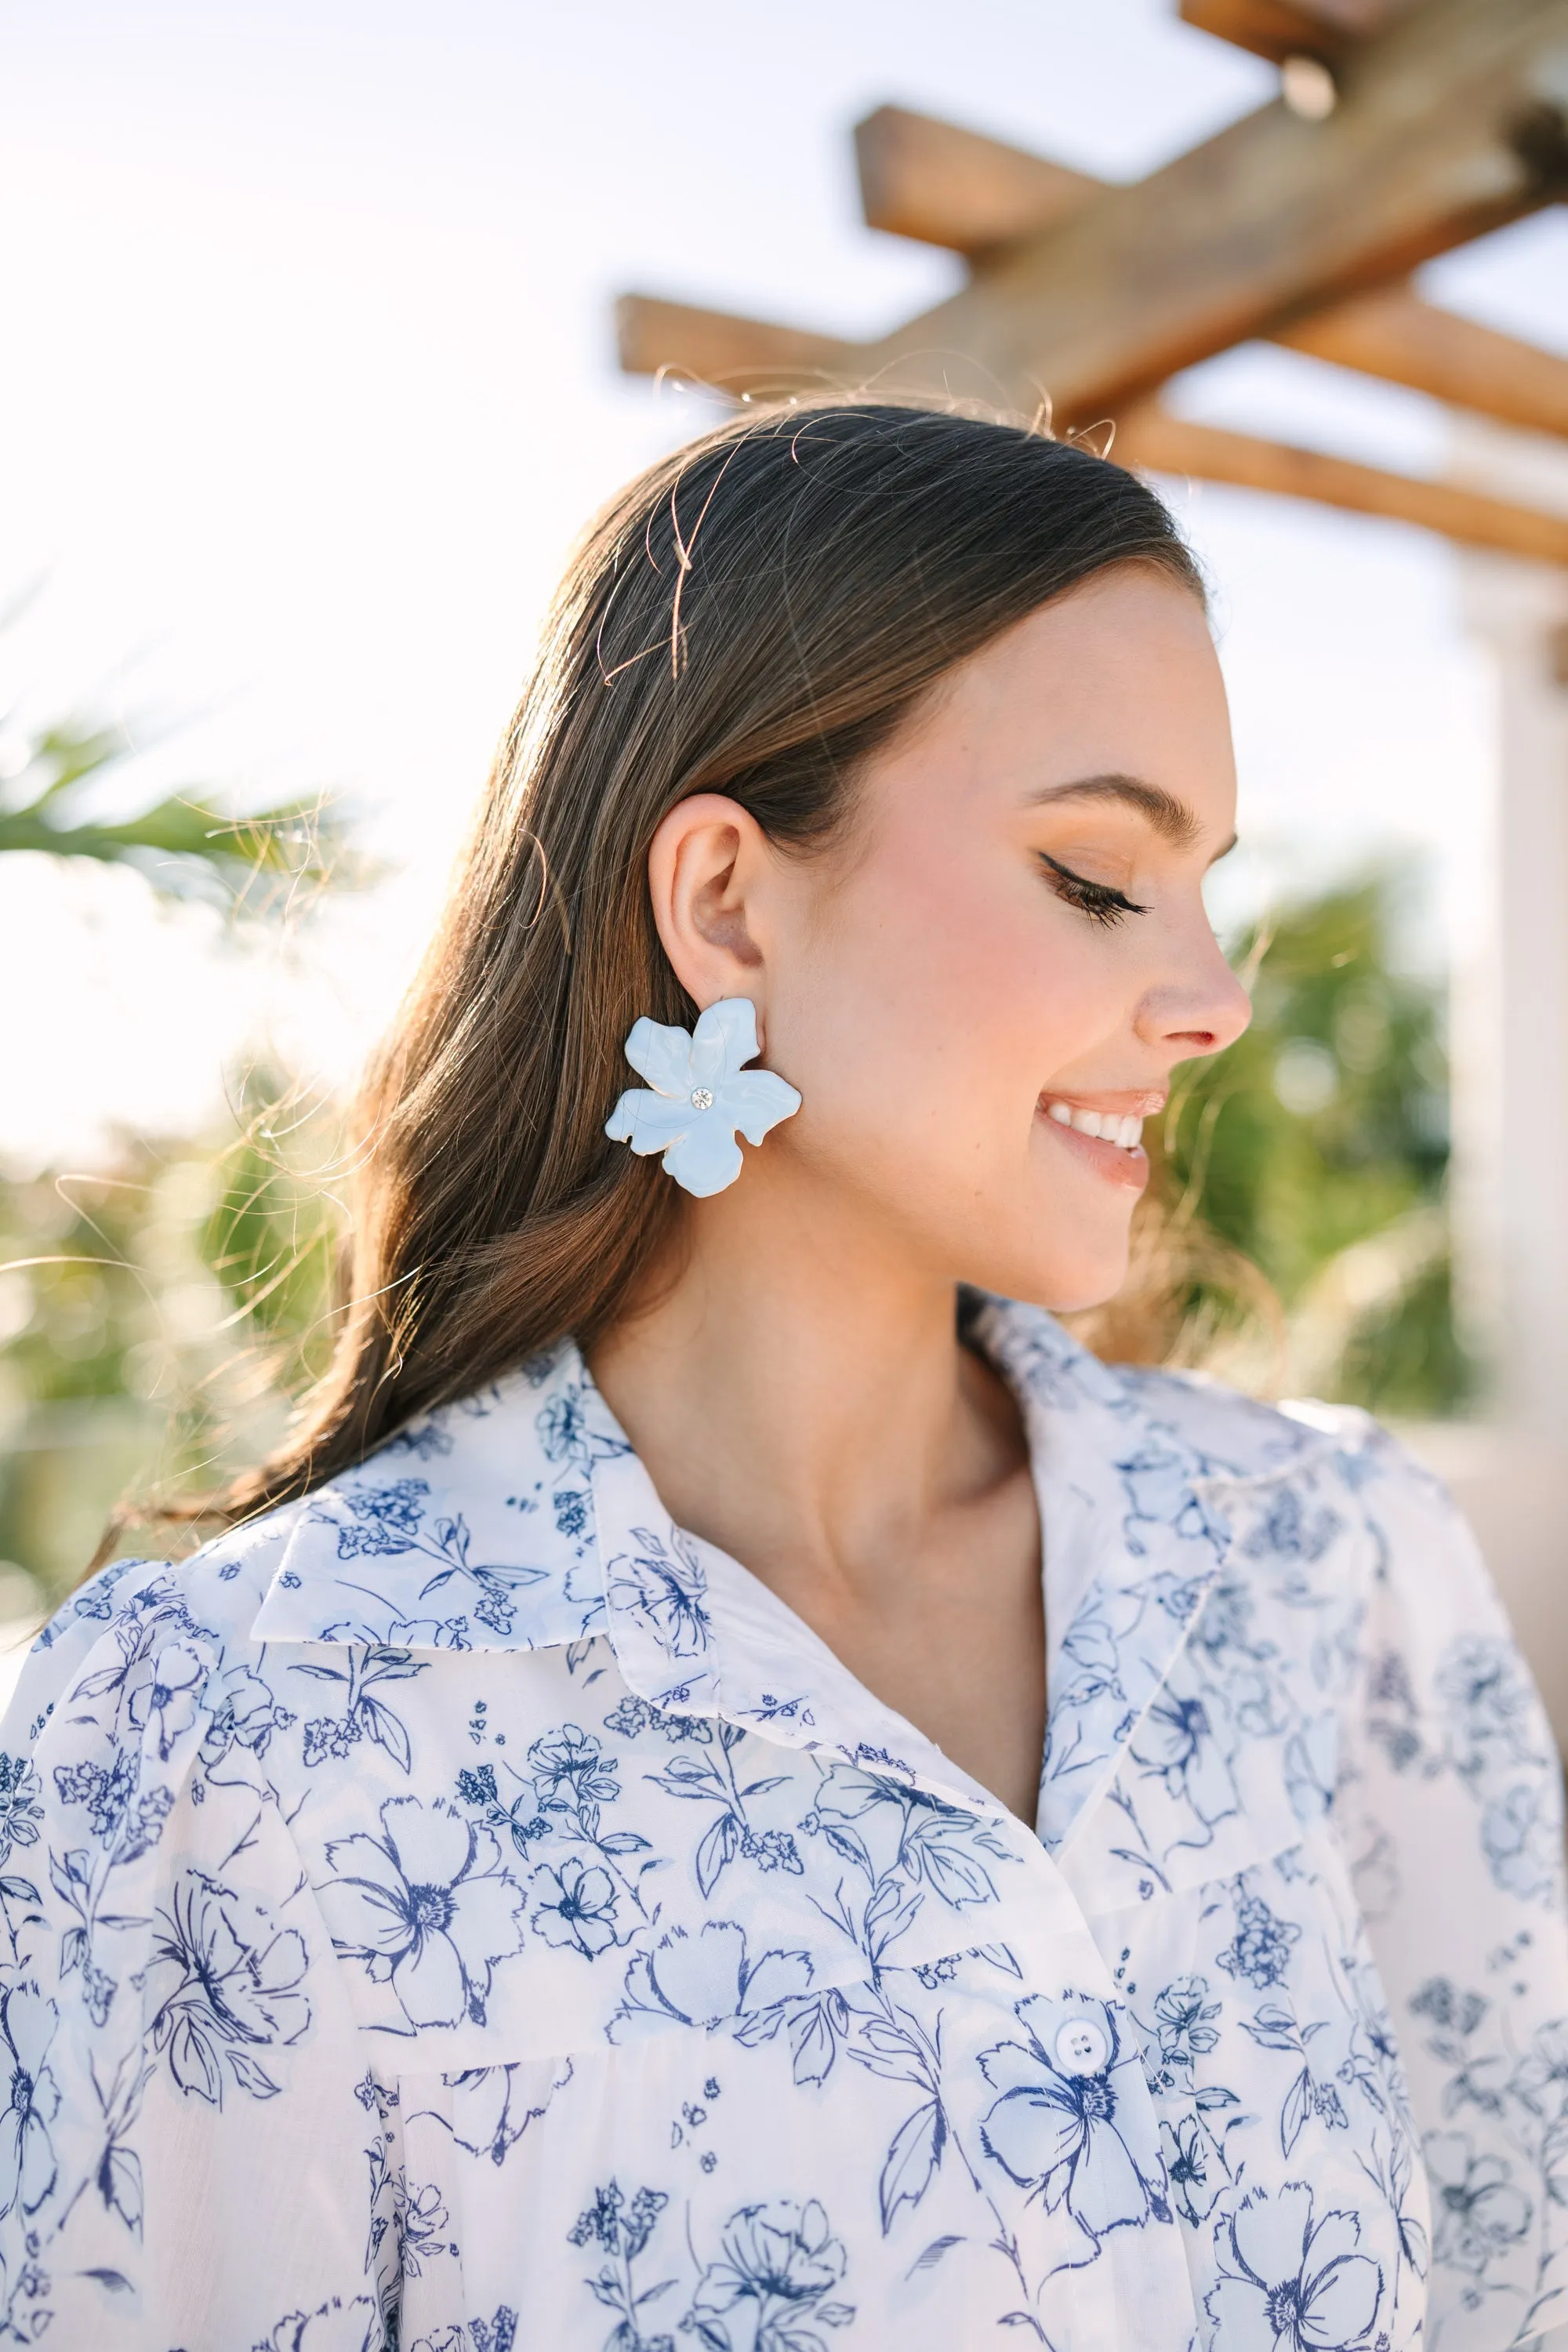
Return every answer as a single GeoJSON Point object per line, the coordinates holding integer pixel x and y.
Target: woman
{"type": "Point", "coordinates": [573, 1867]}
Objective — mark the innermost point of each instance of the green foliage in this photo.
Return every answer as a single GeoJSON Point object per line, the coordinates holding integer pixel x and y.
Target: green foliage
{"type": "Point", "coordinates": [155, 1317]}
{"type": "Point", "coordinates": [271, 1236]}
{"type": "Point", "coordinates": [1317, 1149]}
{"type": "Point", "coordinates": [181, 846]}
{"type": "Point", "coordinates": [154, 1320]}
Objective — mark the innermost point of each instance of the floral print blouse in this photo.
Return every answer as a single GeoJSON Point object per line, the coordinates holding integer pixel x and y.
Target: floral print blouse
{"type": "Point", "coordinates": [463, 1912]}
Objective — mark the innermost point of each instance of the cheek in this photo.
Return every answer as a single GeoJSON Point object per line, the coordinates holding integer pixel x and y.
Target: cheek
{"type": "Point", "coordinates": [936, 1007]}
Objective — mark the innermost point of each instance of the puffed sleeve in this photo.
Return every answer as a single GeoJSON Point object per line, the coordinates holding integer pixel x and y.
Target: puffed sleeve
{"type": "Point", "coordinates": [1450, 1809]}
{"type": "Point", "coordinates": [188, 2152]}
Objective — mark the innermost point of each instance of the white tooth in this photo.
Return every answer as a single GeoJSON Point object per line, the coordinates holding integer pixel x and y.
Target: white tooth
{"type": "Point", "coordinates": [1087, 1121]}
{"type": "Point", "coordinates": [1061, 1112]}
{"type": "Point", "coordinates": [1132, 1133]}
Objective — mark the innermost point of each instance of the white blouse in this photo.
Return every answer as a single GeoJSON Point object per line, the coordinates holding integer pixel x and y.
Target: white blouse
{"type": "Point", "coordinates": [463, 1912]}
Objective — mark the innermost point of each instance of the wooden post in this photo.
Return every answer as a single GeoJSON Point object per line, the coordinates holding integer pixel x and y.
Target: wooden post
{"type": "Point", "coordinates": [1509, 1471]}
{"type": "Point", "coordinates": [1512, 1076]}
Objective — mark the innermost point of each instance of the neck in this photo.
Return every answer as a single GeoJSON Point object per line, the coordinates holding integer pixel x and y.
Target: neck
{"type": "Point", "coordinates": [795, 1385]}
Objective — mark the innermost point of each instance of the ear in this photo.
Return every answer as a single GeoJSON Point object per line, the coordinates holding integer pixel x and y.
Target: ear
{"type": "Point", "coordinates": [708, 868]}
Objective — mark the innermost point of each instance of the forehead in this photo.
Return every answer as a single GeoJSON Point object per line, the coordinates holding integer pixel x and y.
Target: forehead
{"type": "Point", "coordinates": [1119, 677]}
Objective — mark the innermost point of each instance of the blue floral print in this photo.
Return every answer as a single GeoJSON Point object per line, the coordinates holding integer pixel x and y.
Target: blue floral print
{"type": "Point", "coordinates": [492, 2107]}
{"type": "Point", "coordinates": [27, 2162]}
{"type": "Point", "coordinates": [712, 1778]}
{"type": "Point", "coordinates": [485, 1892]}
{"type": "Point", "coordinates": [1519, 1840]}
{"type": "Point", "coordinates": [381, 1518]}
{"type": "Point", "coordinates": [1261, 1955]}
{"type": "Point", "coordinates": [1177, 1742]}
{"type": "Point", "coordinates": [1184, 2029]}
{"type": "Point", "coordinates": [428, 1907]}
{"type": "Point", "coordinates": [1293, 2283]}
{"type": "Point", "coordinates": [575, 1907]}
{"type": "Point", "coordinates": [223, 1984]}
{"type": "Point", "coordinates": [390, 1520]}
{"type": "Point", "coordinates": [524, 1825]}
{"type": "Point", "coordinates": [1477, 2211]}
{"type": "Point", "coordinates": [621, 2227]}
{"type": "Point", "coordinates": [20, 1810]}
{"type": "Point", "coordinates": [570, 1772]}
{"type": "Point", "coordinates": [168, 1701]}
{"type": "Point", "coordinates": [778, 2271]}
{"type": "Point", "coordinates": [707, 1979]}
{"type": "Point", "coordinates": [1189, 2161]}
{"type": "Point", "coordinates": [662, 1583]}
{"type": "Point", "coordinates": [569, 1430]}
{"type": "Point", "coordinates": [367, 1711]}
{"type": "Point", "coordinates": [333, 2326]}
{"type": "Point", "coordinates": [1062, 2127]}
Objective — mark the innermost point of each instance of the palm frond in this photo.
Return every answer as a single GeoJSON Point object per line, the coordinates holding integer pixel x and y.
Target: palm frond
{"type": "Point", "coordinates": [181, 844]}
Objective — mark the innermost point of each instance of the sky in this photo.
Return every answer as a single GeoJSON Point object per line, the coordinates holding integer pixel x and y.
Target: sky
{"type": "Point", "coordinates": [309, 383]}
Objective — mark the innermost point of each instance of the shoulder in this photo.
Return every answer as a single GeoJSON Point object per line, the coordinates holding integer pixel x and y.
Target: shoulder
{"type": "Point", "coordinates": [1241, 1437]}
{"type": "Point", "coordinates": [1238, 1437]}
{"type": "Point", "coordinates": [225, 1581]}
{"type": "Point", "coordinates": [1321, 1502]}
{"type": "Point", "coordinates": [1179, 1435]}
{"type": "Point", "coordinates": [203, 1608]}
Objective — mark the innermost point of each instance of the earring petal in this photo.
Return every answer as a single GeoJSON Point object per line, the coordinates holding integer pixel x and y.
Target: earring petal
{"type": "Point", "coordinates": [755, 1101]}
{"type": "Point", "coordinates": [706, 1159]}
{"type": "Point", "coordinates": [724, 1038]}
{"type": "Point", "coordinates": [662, 1057]}
{"type": "Point", "coordinates": [649, 1122]}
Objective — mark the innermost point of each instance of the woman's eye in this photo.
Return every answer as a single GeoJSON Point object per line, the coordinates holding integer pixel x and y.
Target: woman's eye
{"type": "Point", "coordinates": [1098, 900]}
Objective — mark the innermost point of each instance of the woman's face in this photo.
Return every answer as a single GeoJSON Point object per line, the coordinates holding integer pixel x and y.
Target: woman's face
{"type": "Point", "coordinates": [983, 990]}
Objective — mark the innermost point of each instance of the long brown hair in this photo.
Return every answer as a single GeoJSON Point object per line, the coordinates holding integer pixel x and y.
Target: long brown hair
{"type": "Point", "coordinates": [753, 616]}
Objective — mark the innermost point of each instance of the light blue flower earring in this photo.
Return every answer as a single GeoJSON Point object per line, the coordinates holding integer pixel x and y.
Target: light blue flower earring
{"type": "Point", "coordinates": [700, 1096]}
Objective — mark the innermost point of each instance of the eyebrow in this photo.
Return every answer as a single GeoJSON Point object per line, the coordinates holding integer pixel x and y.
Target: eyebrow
{"type": "Point", "coordinates": [1170, 817]}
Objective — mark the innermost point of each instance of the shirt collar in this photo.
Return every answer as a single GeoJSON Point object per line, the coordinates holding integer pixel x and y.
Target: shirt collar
{"type": "Point", "coordinates": [521, 1519]}
{"type": "Point", "coordinates": [472, 1529]}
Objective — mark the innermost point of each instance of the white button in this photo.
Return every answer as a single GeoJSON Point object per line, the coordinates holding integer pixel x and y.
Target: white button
{"type": "Point", "coordinates": [1083, 2047]}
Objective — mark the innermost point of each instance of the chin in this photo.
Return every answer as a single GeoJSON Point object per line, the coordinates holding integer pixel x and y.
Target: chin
{"type": "Point", "coordinates": [1064, 1281]}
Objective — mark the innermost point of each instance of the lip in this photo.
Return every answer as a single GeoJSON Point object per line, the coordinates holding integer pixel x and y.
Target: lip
{"type": "Point", "coordinates": [1107, 1160]}
{"type": "Point", "coordinates": [1112, 1162]}
{"type": "Point", "coordinates": [1130, 1102]}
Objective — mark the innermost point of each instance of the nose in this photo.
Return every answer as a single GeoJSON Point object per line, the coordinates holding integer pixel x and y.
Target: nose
{"type": "Point", "coordinates": [1201, 1009]}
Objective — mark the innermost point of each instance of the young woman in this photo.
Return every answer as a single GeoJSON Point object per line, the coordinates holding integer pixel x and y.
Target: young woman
{"type": "Point", "coordinates": [733, 1785]}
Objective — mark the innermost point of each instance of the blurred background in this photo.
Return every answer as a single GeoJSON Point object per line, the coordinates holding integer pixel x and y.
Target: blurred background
{"type": "Point", "coordinates": [310, 382]}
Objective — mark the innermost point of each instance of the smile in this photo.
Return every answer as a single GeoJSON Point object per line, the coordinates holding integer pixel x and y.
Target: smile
{"type": "Point", "coordinates": [1107, 1126]}
{"type": "Point", "coordinates": [1107, 1135]}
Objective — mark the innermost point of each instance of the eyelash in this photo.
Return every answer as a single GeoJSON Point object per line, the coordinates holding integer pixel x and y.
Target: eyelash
{"type": "Point", "coordinates": [1098, 900]}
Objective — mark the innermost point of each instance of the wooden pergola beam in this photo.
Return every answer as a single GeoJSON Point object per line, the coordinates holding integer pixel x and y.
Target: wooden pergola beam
{"type": "Point", "coordinates": [1278, 29]}
{"type": "Point", "coordinates": [1446, 128]}
{"type": "Point", "coordinates": [1393, 334]}
{"type": "Point", "coordinates": [924, 178]}
{"type": "Point", "coordinates": [1149, 437]}
{"type": "Point", "coordinates": [750, 358]}
{"type": "Point", "coordinates": [1453, 118]}
{"type": "Point", "coordinates": [945, 185]}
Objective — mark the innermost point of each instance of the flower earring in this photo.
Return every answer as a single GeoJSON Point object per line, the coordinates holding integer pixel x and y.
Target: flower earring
{"type": "Point", "coordinates": [701, 1096]}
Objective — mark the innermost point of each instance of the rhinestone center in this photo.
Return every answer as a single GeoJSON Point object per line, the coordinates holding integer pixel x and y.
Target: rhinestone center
{"type": "Point", "coordinates": [701, 1097]}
